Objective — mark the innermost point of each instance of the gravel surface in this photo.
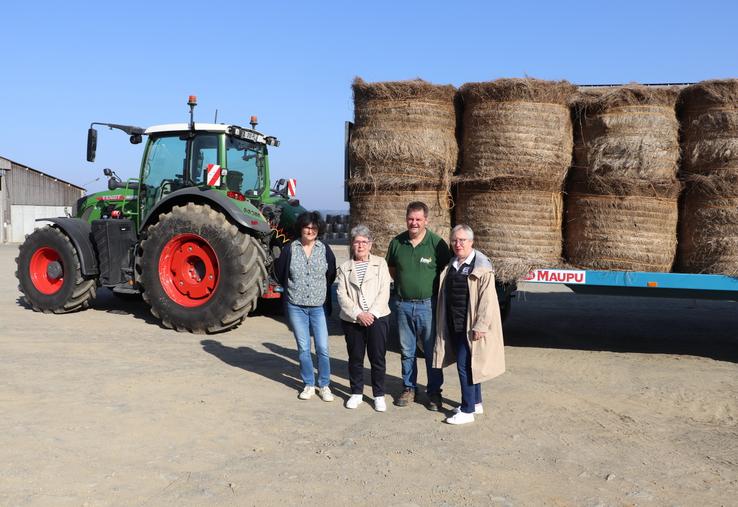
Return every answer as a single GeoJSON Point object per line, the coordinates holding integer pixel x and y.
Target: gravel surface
{"type": "Point", "coordinates": [606, 401]}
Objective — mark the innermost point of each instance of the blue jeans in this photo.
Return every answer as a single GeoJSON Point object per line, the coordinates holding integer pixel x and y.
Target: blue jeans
{"type": "Point", "coordinates": [416, 320]}
{"type": "Point", "coordinates": [304, 321]}
{"type": "Point", "coordinates": [471, 393]}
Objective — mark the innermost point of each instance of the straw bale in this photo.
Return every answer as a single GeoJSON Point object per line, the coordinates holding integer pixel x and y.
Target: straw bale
{"type": "Point", "coordinates": [405, 129]}
{"type": "Point", "coordinates": [708, 226]}
{"type": "Point", "coordinates": [620, 232]}
{"type": "Point", "coordinates": [383, 211]}
{"type": "Point", "coordinates": [628, 132]}
{"type": "Point", "coordinates": [601, 185]}
{"type": "Point", "coordinates": [393, 182]}
{"type": "Point", "coordinates": [515, 223]}
{"type": "Point", "coordinates": [518, 90]}
{"type": "Point", "coordinates": [604, 99]}
{"type": "Point", "coordinates": [516, 128]}
{"type": "Point", "coordinates": [708, 112]}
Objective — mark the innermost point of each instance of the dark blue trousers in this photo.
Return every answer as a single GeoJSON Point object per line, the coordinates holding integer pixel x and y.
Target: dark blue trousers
{"type": "Point", "coordinates": [471, 393]}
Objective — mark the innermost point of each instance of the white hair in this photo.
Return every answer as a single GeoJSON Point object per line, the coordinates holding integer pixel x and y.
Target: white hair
{"type": "Point", "coordinates": [361, 230]}
{"type": "Point", "coordinates": [462, 227]}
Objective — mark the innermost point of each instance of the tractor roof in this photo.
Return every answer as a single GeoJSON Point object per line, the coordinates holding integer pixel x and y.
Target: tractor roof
{"type": "Point", "coordinates": [181, 127]}
{"type": "Point", "coordinates": [235, 130]}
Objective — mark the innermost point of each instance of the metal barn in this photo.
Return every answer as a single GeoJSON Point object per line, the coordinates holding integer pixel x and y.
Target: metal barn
{"type": "Point", "coordinates": [27, 194]}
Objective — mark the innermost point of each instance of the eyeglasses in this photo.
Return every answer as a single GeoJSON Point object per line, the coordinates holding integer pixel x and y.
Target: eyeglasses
{"type": "Point", "coordinates": [311, 227]}
{"type": "Point", "coordinates": [460, 241]}
{"type": "Point", "coordinates": [361, 243]}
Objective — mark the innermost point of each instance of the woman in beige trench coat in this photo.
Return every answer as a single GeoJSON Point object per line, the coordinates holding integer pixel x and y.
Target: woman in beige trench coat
{"type": "Point", "coordinates": [468, 323]}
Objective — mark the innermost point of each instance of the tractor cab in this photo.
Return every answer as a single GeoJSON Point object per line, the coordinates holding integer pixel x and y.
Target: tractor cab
{"type": "Point", "coordinates": [226, 158]}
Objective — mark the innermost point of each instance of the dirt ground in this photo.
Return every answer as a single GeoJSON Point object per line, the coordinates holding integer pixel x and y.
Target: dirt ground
{"type": "Point", "coordinates": [606, 401]}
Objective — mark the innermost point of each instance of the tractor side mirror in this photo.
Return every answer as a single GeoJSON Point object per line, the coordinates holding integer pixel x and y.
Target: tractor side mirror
{"type": "Point", "coordinates": [108, 172]}
{"type": "Point", "coordinates": [91, 144]}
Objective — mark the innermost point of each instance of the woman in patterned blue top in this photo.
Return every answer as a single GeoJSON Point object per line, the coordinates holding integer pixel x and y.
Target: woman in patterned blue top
{"type": "Point", "coordinates": [306, 269]}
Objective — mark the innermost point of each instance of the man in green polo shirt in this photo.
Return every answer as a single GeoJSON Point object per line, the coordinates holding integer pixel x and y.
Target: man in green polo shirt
{"type": "Point", "coordinates": [415, 259]}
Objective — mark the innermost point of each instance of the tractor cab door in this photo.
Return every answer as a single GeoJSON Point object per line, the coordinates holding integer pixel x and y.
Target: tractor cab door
{"type": "Point", "coordinates": [174, 161]}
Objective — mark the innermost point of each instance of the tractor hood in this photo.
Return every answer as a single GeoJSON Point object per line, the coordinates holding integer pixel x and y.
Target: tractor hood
{"type": "Point", "coordinates": [242, 212]}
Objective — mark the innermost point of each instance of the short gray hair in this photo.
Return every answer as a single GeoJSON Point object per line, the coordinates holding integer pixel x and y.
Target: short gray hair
{"type": "Point", "coordinates": [462, 227]}
{"type": "Point", "coordinates": [361, 230]}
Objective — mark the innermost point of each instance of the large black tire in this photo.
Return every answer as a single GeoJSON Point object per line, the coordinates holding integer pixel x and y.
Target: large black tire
{"type": "Point", "coordinates": [198, 271]}
{"type": "Point", "coordinates": [49, 273]}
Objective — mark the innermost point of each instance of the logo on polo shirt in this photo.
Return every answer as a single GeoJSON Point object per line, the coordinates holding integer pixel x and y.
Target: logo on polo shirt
{"type": "Point", "coordinates": [425, 260]}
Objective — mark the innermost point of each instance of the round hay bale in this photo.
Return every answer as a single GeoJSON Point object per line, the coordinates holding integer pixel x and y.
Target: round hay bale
{"type": "Point", "coordinates": [635, 231]}
{"type": "Point", "coordinates": [628, 132]}
{"type": "Point", "coordinates": [403, 130]}
{"type": "Point", "coordinates": [708, 226]}
{"type": "Point", "coordinates": [516, 223]}
{"type": "Point", "coordinates": [383, 211]}
{"type": "Point", "coordinates": [516, 128]}
{"type": "Point", "coordinates": [708, 112]}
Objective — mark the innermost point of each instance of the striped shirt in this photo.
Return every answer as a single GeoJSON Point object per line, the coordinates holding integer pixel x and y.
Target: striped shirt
{"type": "Point", "coordinates": [360, 268]}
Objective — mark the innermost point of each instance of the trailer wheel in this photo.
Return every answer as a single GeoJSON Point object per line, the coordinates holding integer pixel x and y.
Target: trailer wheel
{"type": "Point", "coordinates": [49, 273]}
{"type": "Point", "coordinates": [199, 272]}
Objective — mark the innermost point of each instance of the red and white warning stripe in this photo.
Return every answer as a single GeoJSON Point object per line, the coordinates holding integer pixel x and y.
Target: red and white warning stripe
{"type": "Point", "coordinates": [214, 172]}
{"type": "Point", "coordinates": [292, 187]}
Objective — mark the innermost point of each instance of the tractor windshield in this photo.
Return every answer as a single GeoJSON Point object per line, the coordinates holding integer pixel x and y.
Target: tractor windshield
{"type": "Point", "coordinates": [245, 162]}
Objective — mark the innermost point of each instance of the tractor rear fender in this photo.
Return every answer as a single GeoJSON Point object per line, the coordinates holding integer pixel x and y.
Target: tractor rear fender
{"type": "Point", "coordinates": [80, 233]}
{"type": "Point", "coordinates": [247, 215]}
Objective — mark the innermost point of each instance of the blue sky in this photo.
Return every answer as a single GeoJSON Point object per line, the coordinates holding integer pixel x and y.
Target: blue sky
{"type": "Point", "coordinates": [66, 64]}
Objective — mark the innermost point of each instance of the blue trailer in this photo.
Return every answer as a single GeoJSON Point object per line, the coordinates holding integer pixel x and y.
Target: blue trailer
{"type": "Point", "coordinates": [630, 283]}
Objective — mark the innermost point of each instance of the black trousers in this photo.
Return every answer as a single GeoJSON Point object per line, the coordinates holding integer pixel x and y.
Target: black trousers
{"type": "Point", "coordinates": [373, 341]}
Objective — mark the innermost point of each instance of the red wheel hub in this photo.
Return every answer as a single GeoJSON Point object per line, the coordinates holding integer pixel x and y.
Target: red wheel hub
{"type": "Point", "coordinates": [46, 270]}
{"type": "Point", "coordinates": [188, 270]}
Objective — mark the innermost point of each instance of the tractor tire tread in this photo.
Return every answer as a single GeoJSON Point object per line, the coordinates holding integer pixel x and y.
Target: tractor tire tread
{"type": "Point", "coordinates": [249, 264]}
{"type": "Point", "coordinates": [84, 290]}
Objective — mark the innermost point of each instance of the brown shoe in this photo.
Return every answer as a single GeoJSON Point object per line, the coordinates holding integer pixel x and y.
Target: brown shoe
{"type": "Point", "coordinates": [408, 394]}
{"type": "Point", "coordinates": [435, 402]}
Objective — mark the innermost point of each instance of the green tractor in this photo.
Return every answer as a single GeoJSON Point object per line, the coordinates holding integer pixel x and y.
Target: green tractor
{"type": "Point", "coordinates": [196, 234]}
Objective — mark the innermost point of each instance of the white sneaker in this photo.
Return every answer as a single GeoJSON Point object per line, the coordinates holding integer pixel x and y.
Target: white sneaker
{"type": "Point", "coordinates": [379, 404]}
{"type": "Point", "coordinates": [307, 393]}
{"type": "Point", "coordinates": [461, 418]}
{"type": "Point", "coordinates": [354, 401]}
{"type": "Point", "coordinates": [478, 409]}
{"type": "Point", "coordinates": [325, 393]}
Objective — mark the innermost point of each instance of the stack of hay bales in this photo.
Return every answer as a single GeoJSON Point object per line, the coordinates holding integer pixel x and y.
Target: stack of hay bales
{"type": "Point", "coordinates": [517, 145]}
{"type": "Point", "coordinates": [708, 230]}
{"type": "Point", "coordinates": [403, 148]}
{"type": "Point", "coordinates": [622, 191]}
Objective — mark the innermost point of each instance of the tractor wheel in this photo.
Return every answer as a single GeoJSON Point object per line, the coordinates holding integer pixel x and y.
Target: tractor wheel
{"type": "Point", "coordinates": [199, 272]}
{"type": "Point", "coordinates": [49, 273]}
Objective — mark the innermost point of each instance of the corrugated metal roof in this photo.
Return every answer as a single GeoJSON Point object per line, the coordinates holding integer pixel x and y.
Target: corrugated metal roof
{"type": "Point", "coordinates": [35, 170]}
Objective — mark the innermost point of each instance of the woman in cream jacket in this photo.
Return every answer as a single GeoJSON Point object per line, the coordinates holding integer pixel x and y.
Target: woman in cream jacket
{"type": "Point", "coordinates": [363, 295]}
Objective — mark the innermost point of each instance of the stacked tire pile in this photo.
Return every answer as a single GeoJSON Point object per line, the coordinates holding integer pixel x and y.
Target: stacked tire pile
{"type": "Point", "coordinates": [336, 229]}
{"type": "Point", "coordinates": [622, 202]}
{"type": "Point", "coordinates": [517, 145]}
{"type": "Point", "coordinates": [708, 230]}
{"type": "Point", "coordinates": [403, 148]}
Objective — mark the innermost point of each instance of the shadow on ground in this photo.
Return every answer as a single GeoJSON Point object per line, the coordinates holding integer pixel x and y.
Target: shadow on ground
{"type": "Point", "coordinates": [281, 365]}
{"type": "Point", "coordinates": [625, 324]}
